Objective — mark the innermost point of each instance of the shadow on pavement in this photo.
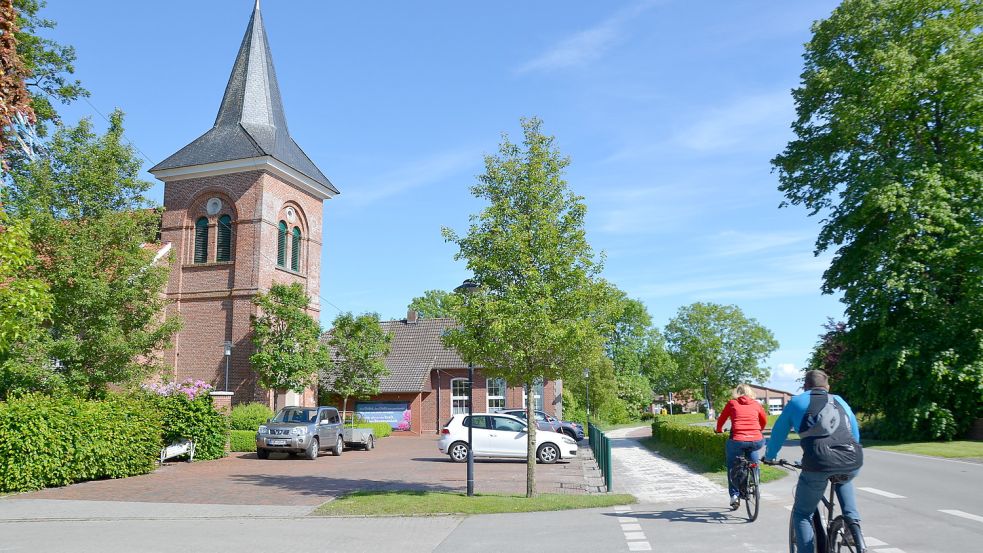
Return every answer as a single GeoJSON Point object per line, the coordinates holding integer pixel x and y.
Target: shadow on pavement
{"type": "Point", "coordinates": [705, 515]}
{"type": "Point", "coordinates": [326, 486]}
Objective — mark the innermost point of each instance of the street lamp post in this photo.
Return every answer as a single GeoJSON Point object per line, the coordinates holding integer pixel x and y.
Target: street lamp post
{"type": "Point", "coordinates": [706, 394]}
{"type": "Point", "coordinates": [587, 381]}
{"type": "Point", "coordinates": [468, 287]}
{"type": "Point", "coordinates": [228, 354]}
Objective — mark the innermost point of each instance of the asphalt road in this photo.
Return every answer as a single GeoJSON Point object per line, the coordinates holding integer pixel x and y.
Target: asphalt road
{"type": "Point", "coordinates": [924, 519]}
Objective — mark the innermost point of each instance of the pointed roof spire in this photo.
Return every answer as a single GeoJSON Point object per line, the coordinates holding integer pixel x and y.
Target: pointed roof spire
{"type": "Point", "coordinates": [251, 121]}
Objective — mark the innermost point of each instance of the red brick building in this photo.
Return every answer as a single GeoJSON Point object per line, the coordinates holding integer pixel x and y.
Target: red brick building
{"type": "Point", "coordinates": [243, 206]}
{"type": "Point", "coordinates": [430, 381]}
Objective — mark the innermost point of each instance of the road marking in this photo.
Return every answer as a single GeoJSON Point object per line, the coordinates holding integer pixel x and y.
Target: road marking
{"type": "Point", "coordinates": [622, 509]}
{"type": "Point", "coordinates": [639, 546]}
{"type": "Point", "coordinates": [634, 536]}
{"type": "Point", "coordinates": [631, 527]}
{"type": "Point", "coordinates": [788, 507]}
{"type": "Point", "coordinates": [627, 519]}
{"type": "Point", "coordinates": [926, 457]}
{"type": "Point", "coordinates": [890, 550]}
{"type": "Point", "coordinates": [875, 491]}
{"type": "Point", "coordinates": [874, 542]}
{"type": "Point", "coordinates": [633, 532]}
{"type": "Point", "coordinates": [768, 496]}
{"type": "Point", "coordinates": [962, 514]}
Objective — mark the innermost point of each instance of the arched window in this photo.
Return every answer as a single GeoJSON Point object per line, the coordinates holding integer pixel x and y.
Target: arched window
{"type": "Point", "coordinates": [281, 245]}
{"type": "Point", "coordinates": [201, 240]}
{"type": "Point", "coordinates": [295, 250]}
{"type": "Point", "coordinates": [223, 252]}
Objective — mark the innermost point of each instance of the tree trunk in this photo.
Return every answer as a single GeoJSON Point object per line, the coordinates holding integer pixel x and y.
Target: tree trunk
{"type": "Point", "coordinates": [531, 442]}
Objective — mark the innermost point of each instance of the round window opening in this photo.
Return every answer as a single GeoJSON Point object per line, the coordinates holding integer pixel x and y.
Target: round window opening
{"type": "Point", "coordinates": [213, 206]}
{"type": "Point", "coordinates": [291, 214]}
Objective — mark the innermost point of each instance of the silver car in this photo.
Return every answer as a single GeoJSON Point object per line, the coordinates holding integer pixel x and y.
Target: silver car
{"type": "Point", "coordinates": [301, 431]}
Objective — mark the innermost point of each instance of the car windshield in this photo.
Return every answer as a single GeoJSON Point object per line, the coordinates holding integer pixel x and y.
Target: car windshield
{"type": "Point", "coordinates": [305, 416]}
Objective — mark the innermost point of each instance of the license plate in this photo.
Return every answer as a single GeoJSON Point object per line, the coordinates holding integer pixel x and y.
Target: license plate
{"type": "Point", "coordinates": [278, 442]}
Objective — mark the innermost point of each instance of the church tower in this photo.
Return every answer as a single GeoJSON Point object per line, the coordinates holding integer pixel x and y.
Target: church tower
{"type": "Point", "coordinates": [243, 206]}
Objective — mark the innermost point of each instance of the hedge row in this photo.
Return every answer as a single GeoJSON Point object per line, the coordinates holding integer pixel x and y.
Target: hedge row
{"type": "Point", "coordinates": [47, 441]}
{"type": "Point", "coordinates": [242, 440]}
{"type": "Point", "coordinates": [380, 429]}
{"type": "Point", "coordinates": [248, 416]}
{"type": "Point", "coordinates": [701, 441]}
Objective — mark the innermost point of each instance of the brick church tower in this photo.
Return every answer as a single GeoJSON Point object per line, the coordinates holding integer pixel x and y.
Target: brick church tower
{"type": "Point", "coordinates": [243, 207]}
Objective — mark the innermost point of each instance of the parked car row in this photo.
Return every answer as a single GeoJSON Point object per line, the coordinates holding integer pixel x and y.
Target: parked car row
{"type": "Point", "coordinates": [549, 423]}
{"type": "Point", "coordinates": [307, 431]}
{"type": "Point", "coordinates": [501, 435]}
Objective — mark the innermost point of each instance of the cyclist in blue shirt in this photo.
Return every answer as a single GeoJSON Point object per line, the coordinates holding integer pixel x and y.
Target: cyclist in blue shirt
{"type": "Point", "coordinates": [830, 440]}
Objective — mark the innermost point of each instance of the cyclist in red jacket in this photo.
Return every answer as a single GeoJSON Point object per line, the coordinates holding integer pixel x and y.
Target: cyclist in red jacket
{"type": "Point", "coordinates": [748, 419]}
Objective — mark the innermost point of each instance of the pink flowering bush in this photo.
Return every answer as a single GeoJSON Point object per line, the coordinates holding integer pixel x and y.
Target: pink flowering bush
{"type": "Point", "coordinates": [405, 423]}
{"type": "Point", "coordinates": [190, 388]}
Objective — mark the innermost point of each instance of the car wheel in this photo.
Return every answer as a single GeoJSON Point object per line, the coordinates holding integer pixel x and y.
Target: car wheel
{"type": "Point", "coordinates": [339, 446]}
{"type": "Point", "coordinates": [263, 453]}
{"type": "Point", "coordinates": [458, 452]}
{"type": "Point", "coordinates": [548, 453]}
{"type": "Point", "coordinates": [570, 433]}
{"type": "Point", "coordinates": [312, 450]}
{"type": "Point", "coordinates": [370, 443]}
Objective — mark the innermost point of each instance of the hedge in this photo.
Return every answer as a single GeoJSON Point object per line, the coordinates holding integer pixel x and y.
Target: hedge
{"type": "Point", "coordinates": [55, 441]}
{"type": "Point", "coordinates": [195, 419]}
{"type": "Point", "coordinates": [701, 441]}
{"type": "Point", "coordinates": [242, 440]}
{"type": "Point", "coordinates": [380, 429]}
{"type": "Point", "coordinates": [248, 416]}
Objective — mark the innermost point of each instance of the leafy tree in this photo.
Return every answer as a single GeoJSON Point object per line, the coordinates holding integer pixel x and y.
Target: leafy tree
{"type": "Point", "coordinates": [828, 352]}
{"type": "Point", "coordinates": [14, 98]}
{"type": "Point", "coordinates": [25, 302]}
{"type": "Point", "coordinates": [90, 229]}
{"type": "Point", "coordinates": [889, 135]}
{"type": "Point", "coordinates": [435, 304]}
{"type": "Point", "coordinates": [360, 347]}
{"type": "Point", "coordinates": [289, 352]}
{"type": "Point", "coordinates": [537, 312]}
{"type": "Point", "coordinates": [720, 344]}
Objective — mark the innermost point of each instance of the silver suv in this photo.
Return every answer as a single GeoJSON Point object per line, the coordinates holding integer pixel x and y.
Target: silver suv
{"type": "Point", "coordinates": [301, 431]}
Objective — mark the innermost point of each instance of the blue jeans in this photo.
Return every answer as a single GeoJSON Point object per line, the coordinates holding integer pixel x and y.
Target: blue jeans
{"type": "Point", "coordinates": [735, 450]}
{"type": "Point", "coordinates": [808, 493]}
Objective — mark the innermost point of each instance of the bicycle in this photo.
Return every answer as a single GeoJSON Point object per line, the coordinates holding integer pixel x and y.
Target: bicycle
{"type": "Point", "coordinates": [747, 487]}
{"type": "Point", "coordinates": [838, 536]}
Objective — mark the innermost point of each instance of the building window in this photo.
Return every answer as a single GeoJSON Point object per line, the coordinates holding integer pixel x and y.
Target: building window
{"type": "Point", "coordinates": [537, 396]}
{"type": "Point", "coordinates": [496, 394]}
{"type": "Point", "coordinates": [459, 396]}
{"type": "Point", "coordinates": [281, 245]}
{"type": "Point", "coordinates": [201, 240]}
{"type": "Point", "coordinates": [223, 251]}
{"type": "Point", "coordinates": [295, 250]}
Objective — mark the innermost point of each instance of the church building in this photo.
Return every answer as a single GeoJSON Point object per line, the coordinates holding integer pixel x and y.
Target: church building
{"type": "Point", "coordinates": [243, 206]}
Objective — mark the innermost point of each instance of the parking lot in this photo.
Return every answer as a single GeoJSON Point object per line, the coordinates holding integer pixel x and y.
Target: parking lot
{"type": "Point", "coordinates": [397, 463]}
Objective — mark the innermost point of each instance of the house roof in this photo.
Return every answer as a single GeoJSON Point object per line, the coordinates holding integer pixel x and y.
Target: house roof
{"type": "Point", "coordinates": [415, 350]}
{"type": "Point", "coordinates": [251, 122]}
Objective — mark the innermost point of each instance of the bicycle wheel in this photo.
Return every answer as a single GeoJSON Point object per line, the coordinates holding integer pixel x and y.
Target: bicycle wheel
{"type": "Point", "coordinates": [840, 540]}
{"type": "Point", "coordinates": [816, 527]}
{"type": "Point", "coordinates": [753, 495]}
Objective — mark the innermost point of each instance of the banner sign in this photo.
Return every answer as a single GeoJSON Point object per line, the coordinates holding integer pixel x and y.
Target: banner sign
{"type": "Point", "coordinates": [397, 414]}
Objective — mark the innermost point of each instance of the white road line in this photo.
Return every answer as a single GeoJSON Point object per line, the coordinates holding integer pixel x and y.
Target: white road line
{"type": "Point", "coordinates": [631, 527]}
{"type": "Point", "coordinates": [768, 496]}
{"type": "Point", "coordinates": [639, 546]}
{"type": "Point", "coordinates": [873, 542]}
{"type": "Point", "coordinates": [926, 457]}
{"type": "Point", "coordinates": [634, 536]}
{"type": "Point", "coordinates": [889, 550]}
{"type": "Point", "coordinates": [788, 507]}
{"type": "Point", "coordinates": [627, 519]}
{"type": "Point", "coordinates": [622, 509]}
{"type": "Point", "coordinates": [962, 514]}
{"type": "Point", "coordinates": [875, 491]}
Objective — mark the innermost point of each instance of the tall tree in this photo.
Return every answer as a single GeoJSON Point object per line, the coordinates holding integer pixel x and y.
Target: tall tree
{"type": "Point", "coordinates": [536, 312]}
{"type": "Point", "coordinates": [360, 347]}
{"type": "Point", "coordinates": [289, 352]}
{"type": "Point", "coordinates": [889, 152]}
{"type": "Point", "coordinates": [97, 250]}
{"type": "Point", "coordinates": [435, 304]}
{"type": "Point", "coordinates": [25, 301]}
{"type": "Point", "coordinates": [14, 98]}
{"type": "Point", "coordinates": [719, 347]}
{"type": "Point", "coordinates": [828, 352]}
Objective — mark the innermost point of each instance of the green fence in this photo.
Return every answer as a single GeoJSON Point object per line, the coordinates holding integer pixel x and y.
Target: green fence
{"type": "Point", "coordinates": [601, 446]}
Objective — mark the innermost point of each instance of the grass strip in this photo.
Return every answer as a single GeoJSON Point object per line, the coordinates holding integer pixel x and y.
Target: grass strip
{"type": "Point", "coordinates": [715, 469]}
{"type": "Point", "coordinates": [417, 503]}
{"type": "Point", "coordinates": [951, 450]}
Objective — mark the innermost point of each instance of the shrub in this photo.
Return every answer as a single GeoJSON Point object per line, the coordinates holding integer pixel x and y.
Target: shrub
{"type": "Point", "coordinates": [46, 441]}
{"type": "Point", "coordinates": [242, 440]}
{"type": "Point", "coordinates": [248, 416]}
{"type": "Point", "coordinates": [698, 440]}
{"type": "Point", "coordinates": [187, 412]}
{"type": "Point", "coordinates": [646, 416]}
{"type": "Point", "coordinates": [380, 429]}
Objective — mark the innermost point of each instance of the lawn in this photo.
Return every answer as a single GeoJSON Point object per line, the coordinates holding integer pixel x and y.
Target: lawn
{"type": "Point", "coordinates": [634, 424]}
{"type": "Point", "coordinates": [714, 469]}
{"type": "Point", "coordinates": [410, 503]}
{"type": "Point", "coordinates": [953, 450]}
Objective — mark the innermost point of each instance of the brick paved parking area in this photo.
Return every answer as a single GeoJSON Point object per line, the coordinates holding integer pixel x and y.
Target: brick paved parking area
{"type": "Point", "coordinates": [397, 463]}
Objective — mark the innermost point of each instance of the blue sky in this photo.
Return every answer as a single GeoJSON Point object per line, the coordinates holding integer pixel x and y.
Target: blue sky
{"type": "Point", "coordinates": [670, 111]}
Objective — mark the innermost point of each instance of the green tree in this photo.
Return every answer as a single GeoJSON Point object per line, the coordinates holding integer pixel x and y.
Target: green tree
{"type": "Point", "coordinates": [14, 98]}
{"type": "Point", "coordinates": [289, 352]}
{"type": "Point", "coordinates": [435, 304]}
{"type": "Point", "coordinates": [25, 302]}
{"type": "Point", "coordinates": [828, 352]}
{"type": "Point", "coordinates": [536, 313]}
{"type": "Point", "coordinates": [889, 136]}
{"type": "Point", "coordinates": [360, 347]}
{"type": "Point", "coordinates": [97, 250]}
{"type": "Point", "coordinates": [720, 344]}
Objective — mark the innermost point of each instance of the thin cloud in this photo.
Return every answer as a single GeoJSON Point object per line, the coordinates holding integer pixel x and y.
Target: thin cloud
{"type": "Point", "coordinates": [733, 243]}
{"type": "Point", "coordinates": [758, 121]}
{"type": "Point", "coordinates": [587, 45]}
{"type": "Point", "coordinates": [414, 175]}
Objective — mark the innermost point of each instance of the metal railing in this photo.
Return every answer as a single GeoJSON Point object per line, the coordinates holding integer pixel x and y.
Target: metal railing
{"type": "Point", "coordinates": [600, 445]}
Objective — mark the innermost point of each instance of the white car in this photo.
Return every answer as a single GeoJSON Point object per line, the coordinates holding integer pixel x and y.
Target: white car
{"type": "Point", "coordinates": [498, 435]}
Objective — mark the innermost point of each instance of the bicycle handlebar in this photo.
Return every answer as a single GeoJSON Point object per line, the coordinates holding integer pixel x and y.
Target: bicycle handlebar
{"type": "Point", "coordinates": [784, 463]}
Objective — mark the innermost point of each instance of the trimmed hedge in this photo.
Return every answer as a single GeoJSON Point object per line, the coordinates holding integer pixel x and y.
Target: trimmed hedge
{"type": "Point", "coordinates": [242, 440]}
{"type": "Point", "coordinates": [195, 419]}
{"type": "Point", "coordinates": [46, 441]}
{"type": "Point", "coordinates": [380, 429]}
{"type": "Point", "coordinates": [248, 416]}
{"type": "Point", "coordinates": [701, 441]}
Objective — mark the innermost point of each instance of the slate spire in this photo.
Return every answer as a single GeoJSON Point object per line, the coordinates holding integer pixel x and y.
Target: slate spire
{"type": "Point", "coordinates": [251, 121]}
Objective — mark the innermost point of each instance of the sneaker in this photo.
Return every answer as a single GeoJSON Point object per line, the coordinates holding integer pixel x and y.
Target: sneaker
{"type": "Point", "coordinates": [735, 502]}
